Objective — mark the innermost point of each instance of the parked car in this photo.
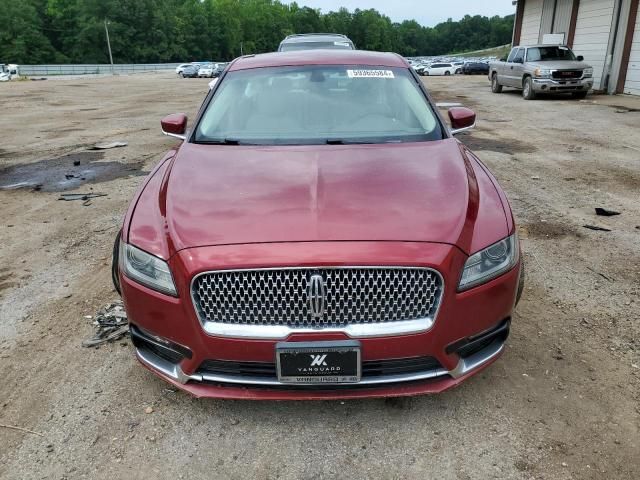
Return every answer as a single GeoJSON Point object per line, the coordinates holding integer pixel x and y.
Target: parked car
{"type": "Point", "coordinates": [7, 72]}
{"type": "Point", "coordinates": [206, 70]}
{"type": "Point", "coordinates": [5, 76]}
{"type": "Point", "coordinates": [458, 66]}
{"type": "Point", "coordinates": [537, 69]}
{"type": "Point", "coordinates": [279, 255]}
{"type": "Point", "coordinates": [309, 41]}
{"type": "Point", "coordinates": [420, 67]}
{"type": "Point", "coordinates": [439, 69]}
{"type": "Point", "coordinates": [218, 69]}
{"type": "Point", "coordinates": [473, 68]}
{"type": "Point", "coordinates": [180, 68]}
{"type": "Point", "coordinates": [190, 71]}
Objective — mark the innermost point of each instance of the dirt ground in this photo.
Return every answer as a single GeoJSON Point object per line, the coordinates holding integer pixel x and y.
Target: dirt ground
{"type": "Point", "coordinates": [562, 403]}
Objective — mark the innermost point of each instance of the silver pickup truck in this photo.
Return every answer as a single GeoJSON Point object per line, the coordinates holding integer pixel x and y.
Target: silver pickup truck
{"type": "Point", "coordinates": [542, 69]}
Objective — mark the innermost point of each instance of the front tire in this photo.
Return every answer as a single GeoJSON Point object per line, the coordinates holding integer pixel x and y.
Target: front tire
{"type": "Point", "coordinates": [527, 89]}
{"type": "Point", "coordinates": [495, 85]}
{"type": "Point", "coordinates": [579, 95]}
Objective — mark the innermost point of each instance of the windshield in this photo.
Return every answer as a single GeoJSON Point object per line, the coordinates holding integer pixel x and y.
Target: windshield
{"type": "Point", "coordinates": [318, 104]}
{"type": "Point", "coordinates": [290, 47]}
{"type": "Point", "coordinates": [544, 54]}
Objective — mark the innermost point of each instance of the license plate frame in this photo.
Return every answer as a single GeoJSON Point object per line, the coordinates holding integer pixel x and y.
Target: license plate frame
{"type": "Point", "coordinates": [319, 363]}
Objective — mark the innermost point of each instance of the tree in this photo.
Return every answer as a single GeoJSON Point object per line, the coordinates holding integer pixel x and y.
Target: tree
{"type": "Point", "coordinates": [46, 31]}
{"type": "Point", "coordinates": [22, 38]}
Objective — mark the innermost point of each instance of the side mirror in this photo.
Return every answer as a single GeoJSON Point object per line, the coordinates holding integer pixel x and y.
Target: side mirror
{"type": "Point", "coordinates": [580, 58]}
{"type": "Point", "coordinates": [175, 125]}
{"type": "Point", "coordinates": [462, 119]}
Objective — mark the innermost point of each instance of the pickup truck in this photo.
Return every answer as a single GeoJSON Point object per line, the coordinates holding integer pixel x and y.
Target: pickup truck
{"type": "Point", "coordinates": [537, 69]}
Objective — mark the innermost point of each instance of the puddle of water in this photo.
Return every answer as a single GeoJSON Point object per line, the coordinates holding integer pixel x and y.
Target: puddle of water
{"type": "Point", "coordinates": [59, 174]}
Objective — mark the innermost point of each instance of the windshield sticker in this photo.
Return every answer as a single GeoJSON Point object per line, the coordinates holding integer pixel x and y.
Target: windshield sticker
{"type": "Point", "coordinates": [342, 44]}
{"type": "Point", "coordinates": [370, 74]}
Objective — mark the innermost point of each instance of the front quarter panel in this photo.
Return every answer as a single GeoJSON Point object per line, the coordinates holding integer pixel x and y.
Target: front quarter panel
{"type": "Point", "coordinates": [144, 222]}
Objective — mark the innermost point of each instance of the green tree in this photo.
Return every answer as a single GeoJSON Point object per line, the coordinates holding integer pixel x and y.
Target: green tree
{"type": "Point", "coordinates": [46, 31]}
{"type": "Point", "coordinates": [22, 35]}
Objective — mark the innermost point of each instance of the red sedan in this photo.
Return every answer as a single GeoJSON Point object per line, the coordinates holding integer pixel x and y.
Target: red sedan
{"type": "Point", "coordinates": [318, 234]}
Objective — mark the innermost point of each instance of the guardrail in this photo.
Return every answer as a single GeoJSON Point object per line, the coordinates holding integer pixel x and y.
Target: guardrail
{"type": "Point", "coordinates": [88, 69]}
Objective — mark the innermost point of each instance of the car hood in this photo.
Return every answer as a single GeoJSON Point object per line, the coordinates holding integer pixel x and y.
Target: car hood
{"type": "Point", "coordinates": [561, 65]}
{"type": "Point", "coordinates": [418, 192]}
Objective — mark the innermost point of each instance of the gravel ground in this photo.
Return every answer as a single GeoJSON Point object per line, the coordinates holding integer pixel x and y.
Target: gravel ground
{"type": "Point", "coordinates": [562, 403]}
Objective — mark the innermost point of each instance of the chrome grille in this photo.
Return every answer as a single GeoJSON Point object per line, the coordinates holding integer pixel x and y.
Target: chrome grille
{"type": "Point", "coordinates": [566, 74]}
{"type": "Point", "coordinates": [353, 295]}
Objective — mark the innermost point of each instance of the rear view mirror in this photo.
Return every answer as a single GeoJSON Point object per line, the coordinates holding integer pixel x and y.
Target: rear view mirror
{"type": "Point", "coordinates": [580, 58]}
{"type": "Point", "coordinates": [175, 125]}
{"type": "Point", "coordinates": [462, 119]}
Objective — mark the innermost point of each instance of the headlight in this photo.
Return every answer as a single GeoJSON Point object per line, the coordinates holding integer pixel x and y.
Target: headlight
{"type": "Point", "coordinates": [588, 72]}
{"type": "Point", "coordinates": [490, 263]}
{"type": "Point", "coordinates": [146, 269]}
{"type": "Point", "coordinates": [542, 73]}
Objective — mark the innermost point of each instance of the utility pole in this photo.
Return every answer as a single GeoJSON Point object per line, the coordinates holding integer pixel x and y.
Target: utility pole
{"type": "Point", "coordinates": [241, 52]}
{"type": "Point", "coordinates": [106, 29]}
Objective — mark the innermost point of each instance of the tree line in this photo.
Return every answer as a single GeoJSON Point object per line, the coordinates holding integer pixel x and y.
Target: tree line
{"type": "Point", "coordinates": [154, 31]}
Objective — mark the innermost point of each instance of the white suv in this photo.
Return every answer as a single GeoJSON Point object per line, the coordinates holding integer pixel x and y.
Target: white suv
{"type": "Point", "coordinates": [440, 69]}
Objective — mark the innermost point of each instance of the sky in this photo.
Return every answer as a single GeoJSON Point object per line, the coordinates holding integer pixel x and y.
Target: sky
{"type": "Point", "coordinates": [425, 12]}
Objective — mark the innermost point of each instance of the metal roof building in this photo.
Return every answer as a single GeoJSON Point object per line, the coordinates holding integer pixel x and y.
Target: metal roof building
{"type": "Point", "coordinates": [605, 32]}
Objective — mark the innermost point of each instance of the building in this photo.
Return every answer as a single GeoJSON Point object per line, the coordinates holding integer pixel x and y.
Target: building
{"type": "Point", "coordinates": [605, 32]}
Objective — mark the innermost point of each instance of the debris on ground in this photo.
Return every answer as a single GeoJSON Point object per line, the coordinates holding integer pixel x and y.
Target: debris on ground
{"type": "Point", "coordinates": [601, 274]}
{"type": "Point", "coordinates": [20, 429]}
{"type": "Point", "coordinates": [68, 197]}
{"type": "Point", "coordinates": [597, 228]}
{"type": "Point", "coordinates": [107, 146]}
{"type": "Point", "coordinates": [603, 212]}
{"type": "Point", "coordinates": [112, 325]}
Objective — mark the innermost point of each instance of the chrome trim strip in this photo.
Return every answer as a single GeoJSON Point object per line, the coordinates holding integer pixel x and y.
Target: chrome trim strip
{"type": "Point", "coordinates": [465, 365]}
{"type": "Point", "coordinates": [455, 131]}
{"type": "Point", "coordinates": [281, 332]}
{"type": "Point", "coordinates": [174, 372]}
{"type": "Point", "coordinates": [165, 367]}
{"type": "Point", "coordinates": [365, 381]}
{"type": "Point", "coordinates": [175, 135]}
{"type": "Point", "coordinates": [358, 330]}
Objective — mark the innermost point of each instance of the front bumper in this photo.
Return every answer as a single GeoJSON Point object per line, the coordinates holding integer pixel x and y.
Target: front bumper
{"type": "Point", "coordinates": [461, 316]}
{"type": "Point", "coordinates": [549, 85]}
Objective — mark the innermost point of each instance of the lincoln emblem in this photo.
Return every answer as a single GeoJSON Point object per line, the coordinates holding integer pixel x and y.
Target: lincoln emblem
{"type": "Point", "coordinates": [316, 296]}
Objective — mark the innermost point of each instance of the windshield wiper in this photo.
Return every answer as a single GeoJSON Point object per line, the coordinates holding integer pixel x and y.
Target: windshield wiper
{"type": "Point", "coordinates": [222, 141]}
{"type": "Point", "coordinates": [341, 141]}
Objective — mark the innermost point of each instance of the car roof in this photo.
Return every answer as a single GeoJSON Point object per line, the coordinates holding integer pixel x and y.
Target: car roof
{"type": "Point", "coordinates": [319, 57]}
{"type": "Point", "coordinates": [316, 37]}
{"type": "Point", "coordinates": [542, 45]}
